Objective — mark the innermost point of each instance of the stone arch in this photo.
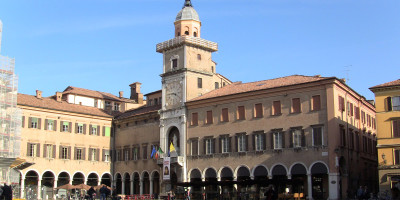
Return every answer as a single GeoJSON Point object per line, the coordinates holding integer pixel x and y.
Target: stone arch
{"type": "Point", "coordinates": [48, 179]}
{"type": "Point", "coordinates": [118, 182]}
{"type": "Point", "coordinates": [78, 178]}
{"type": "Point", "coordinates": [298, 172]}
{"type": "Point", "coordinates": [126, 178]}
{"type": "Point", "coordinates": [34, 170]}
{"type": "Point", "coordinates": [196, 173]}
{"type": "Point", "coordinates": [295, 165]}
{"type": "Point", "coordinates": [63, 178]}
{"type": "Point", "coordinates": [277, 165]}
{"type": "Point", "coordinates": [186, 29]}
{"type": "Point", "coordinates": [174, 138]}
{"type": "Point", "coordinates": [106, 179]}
{"type": "Point", "coordinates": [195, 32]}
{"type": "Point", "coordinates": [260, 170]}
{"type": "Point", "coordinates": [146, 182]}
{"type": "Point", "coordinates": [210, 171]}
{"type": "Point", "coordinates": [240, 167]}
{"type": "Point", "coordinates": [116, 174]}
{"type": "Point", "coordinates": [279, 174]}
{"type": "Point", "coordinates": [92, 179]}
{"type": "Point", "coordinates": [32, 178]}
{"type": "Point", "coordinates": [318, 164]}
{"type": "Point", "coordinates": [155, 178]}
{"type": "Point", "coordinates": [225, 171]}
{"type": "Point", "coordinates": [320, 179]}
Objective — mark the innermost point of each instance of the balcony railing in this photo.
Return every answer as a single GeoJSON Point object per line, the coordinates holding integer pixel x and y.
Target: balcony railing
{"type": "Point", "coordinates": [195, 41]}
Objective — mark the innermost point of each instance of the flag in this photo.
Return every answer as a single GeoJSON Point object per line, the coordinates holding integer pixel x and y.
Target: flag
{"type": "Point", "coordinates": [171, 147]}
{"type": "Point", "coordinates": [153, 152]}
{"type": "Point", "coordinates": [159, 152]}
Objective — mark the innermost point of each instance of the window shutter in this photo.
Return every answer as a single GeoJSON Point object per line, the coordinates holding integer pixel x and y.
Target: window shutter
{"type": "Point", "coordinates": [83, 153]}
{"type": "Point", "coordinates": [76, 127]}
{"type": "Point", "coordinates": [396, 128]}
{"type": "Point", "coordinates": [196, 147]}
{"type": "Point", "coordinates": [44, 150]}
{"type": "Point", "coordinates": [39, 123]}
{"type": "Point", "coordinates": [138, 152]}
{"type": "Point", "coordinates": [104, 131]}
{"type": "Point", "coordinates": [61, 126]}
{"type": "Point", "coordinates": [38, 150]}
{"type": "Point", "coordinates": [90, 129]}
{"type": "Point", "coordinates": [209, 117]}
{"type": "Point", "coordinates": [54, 151]}
{"type": "Point", "coordinates": [389, 103]}
{"type": "Point", "coordinates": [290, 138]}
{"type": "Point", "coordinates": [69, 153]}
{"type": "Point", "coordinates": [272, 140]}
{"type": "Point", "coordinates": [213, 146]}
{"type": "Point", "coordinates": [23, 122]}
{"type": "Point", "coordinates": [296, 105]}
{"type": "Point", "coordinates": [60, 152]}
{"type": "Point", "coordinates": [247, 142]}
{"type": "Point", "coordinates": [98, 155]}
{"type": "Point", "coordinates": [236, 144]}
{"type": "Point", "coordinates": [54, 125]}
{"type": "Point", "coordinates": [84, 129]}
{"type": "Point", "coordinates": [229, 144]}
{"type": "Point", "coordinates": [303, 139]}
{"type": "Point", "coordinates": [75, 153]}
{"type": "Point", "coordinates": [254, 142]}
{"type": "Point", "coordinates": [396, 157]}
{"type": "Point", "coordinates": [103, 155]}
{"type": "Point", "coordinates": [70, 127]}
{"type": "Point", "coordinates": [204, 146]}
{"type": "Point", "coordinates": [30, 122]}
{"type": "Point", "coordinates": [28, 149]}
{"type": "Point", "coordinates": [46, 121]}
{"type": "Point", "coordinates": [283, 140]}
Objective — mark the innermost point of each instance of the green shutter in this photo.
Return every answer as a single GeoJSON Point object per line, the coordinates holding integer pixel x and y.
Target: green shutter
{"type": "Point", "coordinates": [108, 131]}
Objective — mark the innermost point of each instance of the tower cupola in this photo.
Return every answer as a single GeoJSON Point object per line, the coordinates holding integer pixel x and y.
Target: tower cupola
{"type": "Point", "coordinates": [187, 21]}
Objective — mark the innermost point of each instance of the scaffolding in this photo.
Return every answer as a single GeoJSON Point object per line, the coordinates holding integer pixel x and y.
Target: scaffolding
{"type": "Point", "coordinates": [10, 120]}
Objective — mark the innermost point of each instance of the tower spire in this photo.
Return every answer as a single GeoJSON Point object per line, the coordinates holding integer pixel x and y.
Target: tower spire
{"type": "Point", "coordinates": [188, 3]}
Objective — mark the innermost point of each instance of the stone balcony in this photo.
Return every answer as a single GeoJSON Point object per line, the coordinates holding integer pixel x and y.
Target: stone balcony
{"type": "Point", "coordinates": [189, 40]}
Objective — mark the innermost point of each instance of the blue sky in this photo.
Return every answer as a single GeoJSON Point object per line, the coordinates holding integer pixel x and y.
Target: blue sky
{"type": "Point", "coordinates": [106, 45]}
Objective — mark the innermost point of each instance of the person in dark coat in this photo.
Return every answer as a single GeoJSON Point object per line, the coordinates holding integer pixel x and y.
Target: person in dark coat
{"type": "Point", "coordinates": [7, 192]}
{"type": "Point", "coordinates": [104, 192]}
{"type": "Point", "coordinates": [90, 192]}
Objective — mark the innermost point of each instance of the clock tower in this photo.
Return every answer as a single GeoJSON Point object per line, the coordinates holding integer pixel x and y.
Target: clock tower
{"type": "Point", "coordinates": [188, 72]}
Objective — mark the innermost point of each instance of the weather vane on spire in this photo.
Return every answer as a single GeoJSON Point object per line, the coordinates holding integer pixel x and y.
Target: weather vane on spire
{"type": "Point", "coordinates": [188, 3]}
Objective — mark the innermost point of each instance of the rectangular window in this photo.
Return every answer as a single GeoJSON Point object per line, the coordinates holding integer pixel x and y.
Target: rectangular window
{"type": "Point", "coordinates": [357, 112]}
{"type": "Point", "coordinates": [106, 157]}
{"type": "Point", "coordinates": [126, 154]}
{"type": "Point", "coordinates": [225, 144]}
{"type": "Point", "coordinates": [351, 109]}
{"type": "Point", "coordinates": [395, 103]}
{"type": "Point", "coordinates": [209, 142]}
{"type": "Point", "coordinates": [276, 108]}
{"type": "Point", "coordinates": [365, 144]}
{"type": "Point", "coordinates": [341, 104]}
{"type": "Point", "coordinates": [107, 104]}
{"type": "Point", "coordinates": [195, 119]}
{"type": "Point", "coordinates": [194, 147]}
{"type": "Point", "coordinates": [396, 128]}
{"type": "Point", "coordinates": [49, 151]}
{"type": "Point", "coordinates": [116, 106]}
{"type": "Point", "coordinates": [363, 117]}
{"type": "Point", "coordinates": [34, 122]}
{"type": "Point", "coordinates": [94, 130]}
{"type": "Point", "coordinates": [64, 153]}
{"type": "Point", "coordinates": [258, 110]}
{"type": "Point", "coordinates": [135, 155]}
{"type": "Point", "coordinates": [278, 140]}
{"type": "Point", "coordinates": [297, 137]}
{"type": "Point", "coordinates": [296, 108]}
{"type": "Point", "coordinates": [65, 127]}
{"type": "Point", "coordinates": [241, 142]}
{"type": "Point", "coordinates": [317, 136]}
{"type": "Point", "coordinates": [96, 102]}
{"type": "Point", "coordinates": [50, 124]}
{"type": "Point", "coordinates": [209, 119]}
{"type": "Point", "coordinates": [216, 85]}
{"type": "Point", "coordinates": [342, 136]}
{"type": "Point", "coordinates": [32, 152]}
{"type": "Point", "coordinates": [93, 154]}
{"type": "Point", "coordinates": [397, 156]}
{"type": "Point", "coordinates": [225, 116]}
{"type": "Point", "coordinates": [79, 153]}
{"type": "Point", "coordinates": [316, 103]}
{"type": "Point", "coordinates": [241, 113]}
{"type": "Point", "coordinates": [144, 152]}
{"type": "Point", "coordinates": [259, 141]}
{"type": "Point", "coordinates": [79, 128]}
{"type": "Point", "coordinates": [199, 82]}
{"type": "Point", "coordinates": [174, 63]}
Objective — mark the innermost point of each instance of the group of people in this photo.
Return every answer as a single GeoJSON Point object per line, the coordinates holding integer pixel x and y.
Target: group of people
{"type": "Point", "coordinates": [5, 192]}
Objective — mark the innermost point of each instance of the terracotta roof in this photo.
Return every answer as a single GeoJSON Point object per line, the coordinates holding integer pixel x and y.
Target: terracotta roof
{"type": "Point", "coordinates": [51, 103]}
{"type": "Point", "coordinates": [92, 93]}
{"type": "Point", "coordinates": [158, 91]}
{"type": "Point", "coordinates": [138, 111]}
{"type": "Point", "coordinates": [239, 87]}
{"type": "Point", "coordinates": [388, 84]}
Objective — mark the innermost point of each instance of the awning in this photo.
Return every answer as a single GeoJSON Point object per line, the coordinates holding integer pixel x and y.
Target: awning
{"type": "Point", "coordinates": [6, 162]}
{"type": "Point", "coordinates": [20, 164]}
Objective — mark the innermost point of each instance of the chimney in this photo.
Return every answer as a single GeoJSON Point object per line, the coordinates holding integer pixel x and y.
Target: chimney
{"type": "Point", "coordinates": [121, 94]}
{"type": "Point", "coordinates": [58, 96]}
{"type": "Point", "coordinates": [38, 94]}
{"type": "Point", "coordinates": [135, 92]}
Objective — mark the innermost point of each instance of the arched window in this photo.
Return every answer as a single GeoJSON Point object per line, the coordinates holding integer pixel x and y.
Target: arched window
{"type": "Point", "coordinates": [186, 32]}
{"type": "Point", "coordinates": [198, 57]}
{"type": "Point", "coordinates": [195, 34]}
{"type": "Point", "coordinates": [212, 69]}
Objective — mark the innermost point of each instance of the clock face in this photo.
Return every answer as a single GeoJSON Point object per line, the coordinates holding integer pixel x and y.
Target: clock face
{"type": "Point", "coordinates": [173, 93]}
